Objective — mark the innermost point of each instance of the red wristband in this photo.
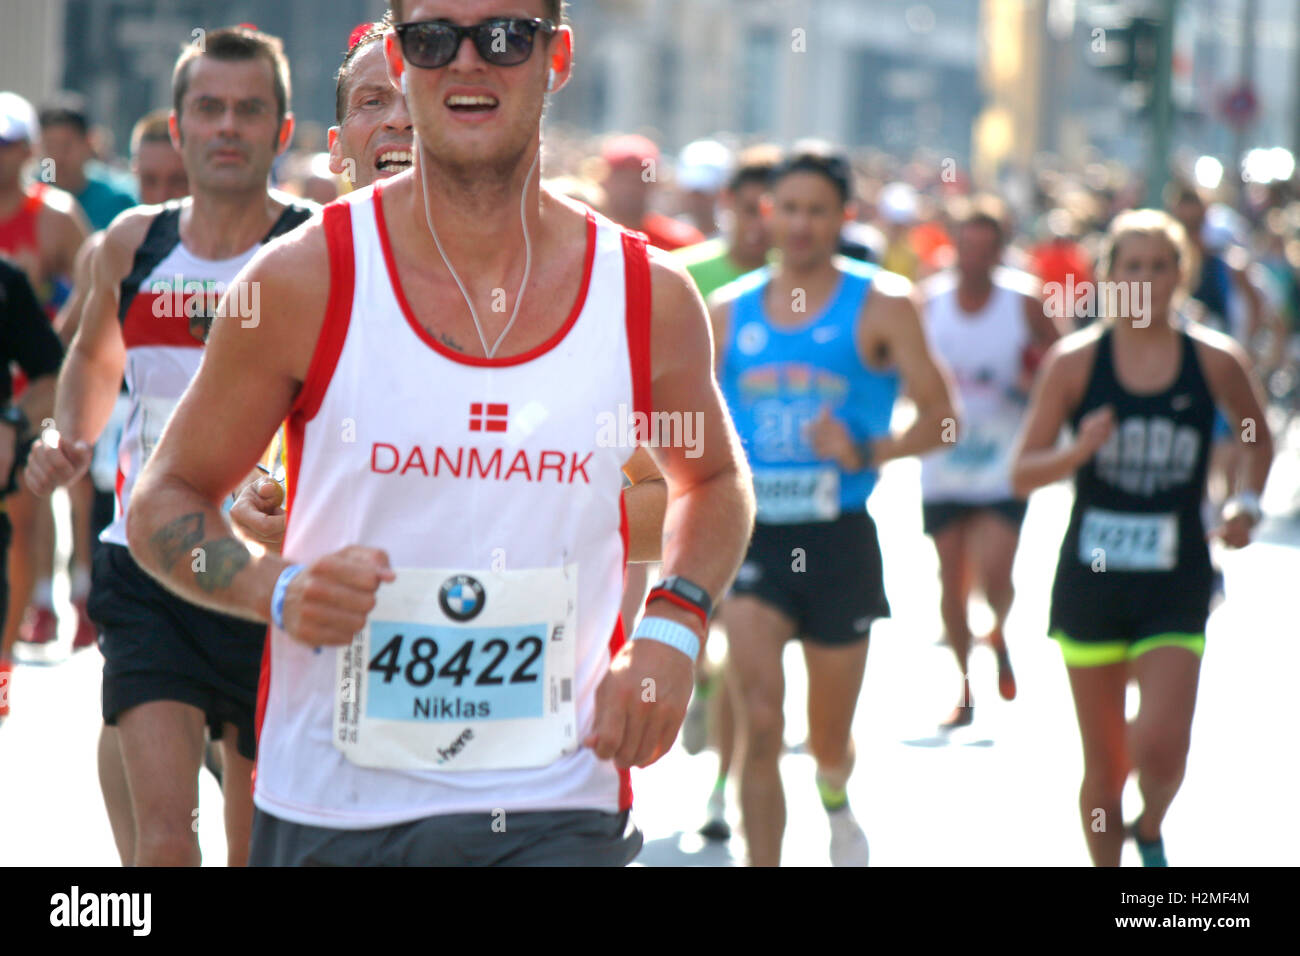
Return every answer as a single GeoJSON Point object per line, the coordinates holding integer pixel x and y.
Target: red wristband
{"type": "Point", "coordinates": [665, 595]}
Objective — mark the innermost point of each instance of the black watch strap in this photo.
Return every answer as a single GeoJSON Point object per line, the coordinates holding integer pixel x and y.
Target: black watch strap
{"type": "Point", "coordinates": [687, 591]}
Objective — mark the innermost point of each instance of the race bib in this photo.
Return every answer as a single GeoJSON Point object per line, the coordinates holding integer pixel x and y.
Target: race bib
{"type": "Point", "coordinates": [1129, 542]}
{"type": "Point", "coordinates": [462, 671]}
{"type": "Point", "coordinates": [154, 413]}
{"type": "Point", "coordinates": [980, 462]}
{"type": "Point", "coordinates": [796, 495]}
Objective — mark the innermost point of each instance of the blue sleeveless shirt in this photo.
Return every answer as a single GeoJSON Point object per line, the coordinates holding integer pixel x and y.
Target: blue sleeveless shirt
{"type": "Point", "coordinates": [776, 382]}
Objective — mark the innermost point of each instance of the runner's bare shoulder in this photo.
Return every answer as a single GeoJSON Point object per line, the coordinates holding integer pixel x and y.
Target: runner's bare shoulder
{"type": "Point", "coordinates": [295, 270]}
{"type": "Point", "coordinates": [890, 320]}
{"type": "Point", "coordinates": [85, 255]}
{"type": "Point", "coordinates": [721, 299]}
{"type": "Point", "coordinates": [677, 304]}
{"type": "Point", "coordinates": [295, 277]}
{"type": "Point", "coordinates": [123, 237]}
{"type": "Point", "coordinates": [1068, 363]}
{"type": "Point", "coordinates": [59, 202]}
{"type": "Point", "coordinates": [1216, 351]}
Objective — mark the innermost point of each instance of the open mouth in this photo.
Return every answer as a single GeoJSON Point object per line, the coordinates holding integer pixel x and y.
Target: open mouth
{"type": "Point", "coordinates": [394, 161]}
{"type": "Point", "coordinates": [471, 104]}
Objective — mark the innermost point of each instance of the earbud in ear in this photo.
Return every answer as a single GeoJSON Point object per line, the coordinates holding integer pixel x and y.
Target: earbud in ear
{"type": "Point", "coordinates": [550, 81]}
{"type": "Point", "coordinates": [403, 82]}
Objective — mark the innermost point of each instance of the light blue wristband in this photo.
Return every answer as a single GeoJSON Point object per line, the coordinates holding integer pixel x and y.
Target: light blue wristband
{"type": "Point", "coordinates": [277, 596]}
{"type": "Point", "coordinates": [669, 632]}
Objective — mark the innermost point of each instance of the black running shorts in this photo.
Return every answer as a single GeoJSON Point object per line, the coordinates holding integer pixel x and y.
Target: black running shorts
{"type": "Point", "coordinates": [157, 646]}
{"type": "Point", "coordinates": [937, 515]}
{"type": "Point", "coordinates": [826, 576]}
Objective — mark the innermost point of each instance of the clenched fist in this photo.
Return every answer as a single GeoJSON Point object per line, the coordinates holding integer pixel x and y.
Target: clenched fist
{"type": "Point", "coordinates": [328, 602]}
{"type": "Point", "coordinates": [1094, 429]}
{"type": "Point", "coordinates": [641, 703]}
{"type": "Point", "coordinates": [258, 513]}
{"type": "Point", "coordinates": [830, 439]}
{"type": "Point", "coordinates": [53, 463]}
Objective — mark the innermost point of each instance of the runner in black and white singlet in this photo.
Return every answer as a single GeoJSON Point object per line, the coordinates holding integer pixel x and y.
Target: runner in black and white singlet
{"type": "Point", "coordinates": [170, 667]}
{"type": "Point", "coordinates": [1132, 590]}
{"type": "Point", "coordinates": [446, 679]}
{"type": "Point", "coordinates": [987, 322]}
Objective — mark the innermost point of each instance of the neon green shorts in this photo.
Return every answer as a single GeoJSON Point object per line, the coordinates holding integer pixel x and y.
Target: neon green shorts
{"type": "Point", "coordinates": [1099, 653]}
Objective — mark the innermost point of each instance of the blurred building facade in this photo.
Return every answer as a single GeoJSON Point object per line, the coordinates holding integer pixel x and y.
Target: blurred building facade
{"type": "Point", "coordinates": [1085, 110]}
{"type": "Point", "coordinates": [993, 82]}
{"type": "Point", "coordinates": [119, 53]}
{"type": "Point", "coordinates": [31, 47]}
{"type": "Point", "coordinates": [882, 73]}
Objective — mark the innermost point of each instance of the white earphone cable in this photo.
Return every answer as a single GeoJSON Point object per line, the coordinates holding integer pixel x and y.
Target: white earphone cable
{"type": "Point", "coordinates": [528, 252]}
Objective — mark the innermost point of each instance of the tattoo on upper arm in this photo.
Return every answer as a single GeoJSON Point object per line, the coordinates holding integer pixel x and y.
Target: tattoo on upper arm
{"type": "Point", "coordinates": [176, 538]}
{"type": "Point", "coordinates": [224, 558]}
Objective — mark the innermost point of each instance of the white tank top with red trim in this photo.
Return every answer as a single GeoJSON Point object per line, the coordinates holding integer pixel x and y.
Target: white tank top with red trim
{"type": "Point", "coordinates": [494, 488]}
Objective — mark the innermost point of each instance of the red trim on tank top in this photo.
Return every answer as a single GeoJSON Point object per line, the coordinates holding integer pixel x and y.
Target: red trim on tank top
{"type": "Point", "coordinates": [36, 196]}
{"type": "Point", "coordinates": [616, 641]}
{"type": "Point", "coordinates": [18, 232]}
{"type": "Point", "coordinates": [636, 313]}
{"type": "Point", "coordinates": [538, 350]}
{"type": "Point", "coordinates": [294, 428]}
{"type": "Point", "coordinates": [337, 222]}
{"type": "Point", "coordinates": [263, 692]}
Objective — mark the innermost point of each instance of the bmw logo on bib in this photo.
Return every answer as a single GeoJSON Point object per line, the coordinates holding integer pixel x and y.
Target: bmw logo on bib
{"type": "Point", "coordinates": [461, 597]}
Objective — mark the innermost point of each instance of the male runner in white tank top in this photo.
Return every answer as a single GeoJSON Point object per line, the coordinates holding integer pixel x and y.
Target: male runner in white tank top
{"type": "Point", "coordinates": [372, 141]}
{"type": "Point", "coordinates": [987, 323]}
{"type": "Point", "coordinates": [465, 459]}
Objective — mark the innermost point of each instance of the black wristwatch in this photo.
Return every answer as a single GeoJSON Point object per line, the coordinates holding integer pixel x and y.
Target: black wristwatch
{"type": "Point", "coordinates": [683, 593]}
{"type": "Point", "coordinates": [866, 450]}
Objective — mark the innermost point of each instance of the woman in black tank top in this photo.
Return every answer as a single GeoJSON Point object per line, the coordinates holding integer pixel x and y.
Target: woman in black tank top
{"type": "Point", "coordinates": [1132, 590]}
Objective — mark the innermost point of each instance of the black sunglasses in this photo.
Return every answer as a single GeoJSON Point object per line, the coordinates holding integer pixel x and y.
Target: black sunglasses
{"type": "Point", "coordinates": [431, 44]}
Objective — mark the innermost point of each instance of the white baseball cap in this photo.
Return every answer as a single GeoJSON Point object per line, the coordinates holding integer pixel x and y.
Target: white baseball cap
{"type": "Point", "coordinates": [703, 166]}
{"type": "Point", "coordinates": [17, 119]}
{"type": "Point", "coordinates": [898, 203]}
{"type": "Point", "coordinates": [1223, 227]}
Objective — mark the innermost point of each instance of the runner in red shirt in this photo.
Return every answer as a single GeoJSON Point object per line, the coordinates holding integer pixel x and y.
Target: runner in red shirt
{"type": "Point", "coordinates": [633, 170]}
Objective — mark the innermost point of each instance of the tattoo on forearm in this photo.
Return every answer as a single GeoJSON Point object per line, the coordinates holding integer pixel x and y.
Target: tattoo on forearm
{"type": "Point", "coordinates": [176, 538]}
{"type": "Point", "coordinates": [222, 560]}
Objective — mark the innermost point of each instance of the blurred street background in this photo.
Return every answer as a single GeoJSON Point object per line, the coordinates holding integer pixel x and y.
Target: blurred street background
{"type": "Point", "coordinates": [1006, 88]}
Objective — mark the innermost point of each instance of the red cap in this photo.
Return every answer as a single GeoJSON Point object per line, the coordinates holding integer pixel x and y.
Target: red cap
{"type": "Point", "coordinates": [250, 26]}
{"type": "Point", "coordinates": [358, 32]}
{"type": "Point", "coordinates": [629, 149]}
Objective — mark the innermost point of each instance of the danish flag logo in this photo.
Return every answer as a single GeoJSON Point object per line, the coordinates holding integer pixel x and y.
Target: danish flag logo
{"type": "Point", "coordinates": [489, 417]}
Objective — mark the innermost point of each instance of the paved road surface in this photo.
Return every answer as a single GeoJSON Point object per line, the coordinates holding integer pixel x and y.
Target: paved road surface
{"type": "Point", "coordinates": [1000, 792]}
